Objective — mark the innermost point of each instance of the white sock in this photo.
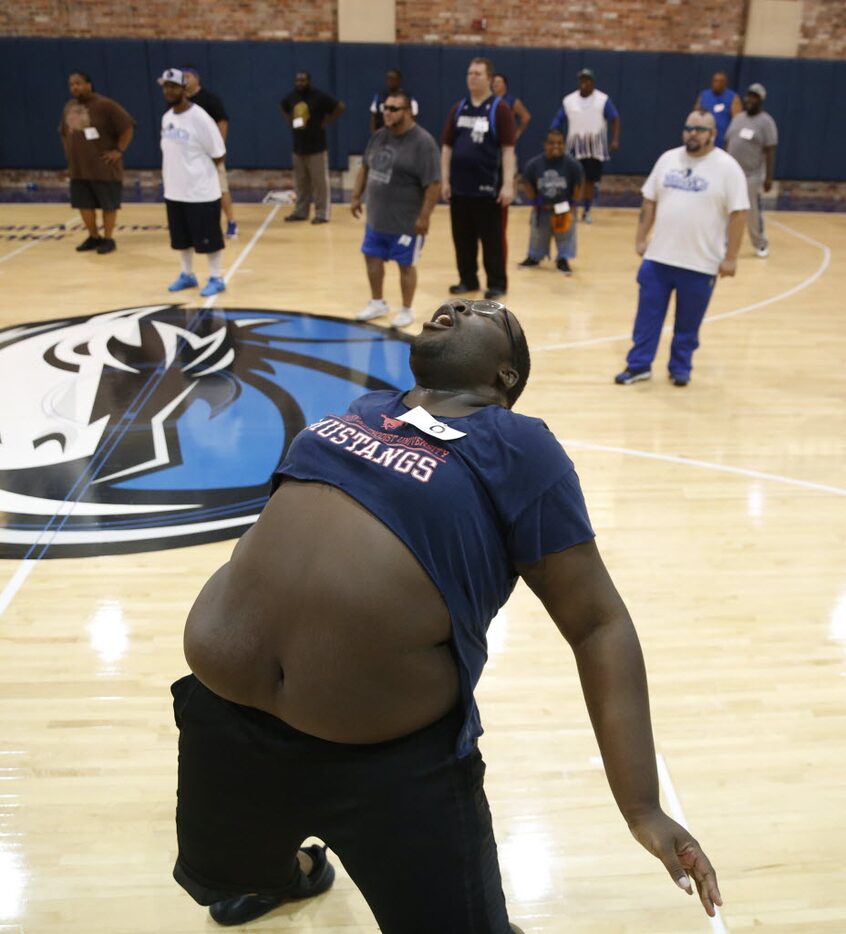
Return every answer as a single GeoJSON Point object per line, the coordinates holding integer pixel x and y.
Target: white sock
{"type": "Point", "coordinates": [215, 260]}
{"type": "Point", "coordinates": [187, 261]}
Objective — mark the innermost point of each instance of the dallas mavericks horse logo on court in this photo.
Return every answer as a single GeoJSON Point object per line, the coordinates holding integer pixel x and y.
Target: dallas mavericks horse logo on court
{"type": "Point", "coordinates": [158, 427]}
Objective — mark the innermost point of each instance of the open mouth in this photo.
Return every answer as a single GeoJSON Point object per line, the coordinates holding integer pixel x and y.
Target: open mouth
{"type": "Point", "coordinates": [442, 318]}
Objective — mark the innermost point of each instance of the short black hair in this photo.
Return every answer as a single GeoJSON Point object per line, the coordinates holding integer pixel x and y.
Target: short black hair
{"type": "Point", "coordinates": [499, 74]}
{"type": "Point", "coordinates": [394, 71]}
{"type": "Point", "coordinates": [84, 75]}
{"type": "Point", "coordinates": [554, 131]}
{"type": "Point", "coordinates": [522, 364]}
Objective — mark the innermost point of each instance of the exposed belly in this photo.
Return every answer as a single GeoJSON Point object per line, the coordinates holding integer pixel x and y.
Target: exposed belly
{"type": "Point", "coordinates": [324, 618]}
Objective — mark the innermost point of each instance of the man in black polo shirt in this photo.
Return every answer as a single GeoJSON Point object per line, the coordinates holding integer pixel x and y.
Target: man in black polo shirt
{"type": "Point", "coordinates": [477, 171]}
{"type": "Point", "coordinates": [310, 111]}
{"type": "Point", "coordinates": [213, 106]}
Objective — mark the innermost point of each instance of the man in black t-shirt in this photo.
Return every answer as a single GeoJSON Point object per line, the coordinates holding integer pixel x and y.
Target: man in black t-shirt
{"type": "Point", "coordinates": [213, 106]}
{"type": "Point", "coordinates": [310, 111]}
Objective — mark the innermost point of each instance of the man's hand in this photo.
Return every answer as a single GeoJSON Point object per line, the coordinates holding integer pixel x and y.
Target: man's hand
{"type": "Point", "coordinates": [421, 226]}
{"type": "Point", "coordinates": [614, 145]}
{"type": "Point", "coordinates": [640, 247]}
{"type": "Point", "coordinates": [768, 184]}
{"type": "Point", "coordinates": [506, 195]}
{"type": "Point", "coordinates": [355, 207]}
{"type": "Point", "coordinates": [112, 156]}
{"type": "Point", "coordinates": [446, 191]}
{"type": "Point", "coordinates": [728, 267]}
{"type": "Point", "coordinates": [681, 855]}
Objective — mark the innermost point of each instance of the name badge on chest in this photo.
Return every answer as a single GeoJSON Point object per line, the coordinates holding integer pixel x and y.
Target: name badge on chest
{"type": "Point", "coordinates": [747, 133]}
{"type": "Point", "coordinates": [429, 425]}
{"type": "Point", "coordinates": [91, 132]}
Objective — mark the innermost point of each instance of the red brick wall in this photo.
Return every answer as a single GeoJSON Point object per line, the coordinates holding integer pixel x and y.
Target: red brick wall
{"type": "Point", "coordinates": [304, 20]}
{"type": "Point", "coordinates": [823, 29]}
{"type": "Point", "coordinates": [654, 25]}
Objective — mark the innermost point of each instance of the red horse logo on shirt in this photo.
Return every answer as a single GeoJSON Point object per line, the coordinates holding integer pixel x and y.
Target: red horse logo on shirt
{"type": "Point", "coordinates": [392, 423]}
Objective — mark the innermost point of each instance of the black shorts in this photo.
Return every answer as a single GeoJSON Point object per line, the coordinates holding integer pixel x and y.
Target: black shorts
{"type": "Point", "coordinates": [593, 169]}
{"type": "Point", "coordinates": [409, 820]}
{"type": "Point", "coordinates": [87, 195]}
{"type": "Point", "coordinates": [195, 224]}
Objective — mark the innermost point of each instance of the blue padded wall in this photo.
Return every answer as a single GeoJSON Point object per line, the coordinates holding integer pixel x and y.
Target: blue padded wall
{"type": "Point", "coordinates": [653, 91]}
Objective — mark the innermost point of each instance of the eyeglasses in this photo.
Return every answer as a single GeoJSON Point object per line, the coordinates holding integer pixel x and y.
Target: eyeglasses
{"type": "Point", "coordinates": [489, 310]}
{"type": "Point", "coordinates": [690, 128]}
{"type": "Point", "coordinates": [392, 108]}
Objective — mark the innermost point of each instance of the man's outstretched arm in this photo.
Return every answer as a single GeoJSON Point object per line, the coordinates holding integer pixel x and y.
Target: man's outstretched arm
{"type": "Point", "coordinates": [578, 593]}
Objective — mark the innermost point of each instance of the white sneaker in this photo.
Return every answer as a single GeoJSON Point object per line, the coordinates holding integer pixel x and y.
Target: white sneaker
{"type": "Point", "coordinates": [375, 308]}
{"type": "Point", "coordinates": [402, 318]}
{"type": "Point", "coordinates": [762, 251]}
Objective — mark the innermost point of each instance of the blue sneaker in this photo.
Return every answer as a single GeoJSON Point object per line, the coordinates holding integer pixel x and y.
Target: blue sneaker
{"type": "Point", "coordinates": [232, 229]}
{"type": "Point", "coordinates": [628, 376]}
{"type": "Point", "coordinates": [186, 280]}
{"type": "Point", "coordinates": [213, 286]}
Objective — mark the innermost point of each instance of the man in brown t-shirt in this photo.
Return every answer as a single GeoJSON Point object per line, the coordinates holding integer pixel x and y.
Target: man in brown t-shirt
{"type": "Point", "coordinates": [95, 132]}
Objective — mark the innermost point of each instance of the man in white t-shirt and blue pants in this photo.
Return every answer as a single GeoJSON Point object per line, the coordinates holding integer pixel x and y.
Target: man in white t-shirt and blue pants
{"type": "Point", "coordinates": [697, 200]}
{"type": "Point", "coordinates": [192, 149]}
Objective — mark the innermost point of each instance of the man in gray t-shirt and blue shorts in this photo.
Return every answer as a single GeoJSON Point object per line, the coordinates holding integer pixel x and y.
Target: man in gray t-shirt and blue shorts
{"type": "Point", "coordinates": [752, 138]}
{"type": "Point", "coordinates": [400, 179]}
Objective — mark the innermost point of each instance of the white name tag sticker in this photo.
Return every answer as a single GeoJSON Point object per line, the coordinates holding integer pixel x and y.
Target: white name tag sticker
{"type": "Point", "coordinates": [298, 122]}
{"type": "Point", "coordinates": [562, 207]}
{"type": "Point", "coordinates": [747, 133]}
{"type": "Point", "coordinates": [429, 425]}
{"type": "Point", "coordinates": [91, 132]}
{"type": "Point", "coordinates": [719, 108]}
{"type": "Point", "coordinates": [404, 240]}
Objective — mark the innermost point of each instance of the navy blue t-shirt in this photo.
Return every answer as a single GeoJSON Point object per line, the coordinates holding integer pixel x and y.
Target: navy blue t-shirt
{"type": "Point", "coordinates": [469, 509]}
{"type": "Point", "coordinates": [477, 135]}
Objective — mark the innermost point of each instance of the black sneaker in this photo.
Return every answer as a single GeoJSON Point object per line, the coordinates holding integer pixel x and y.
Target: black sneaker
{"type": "Point", "coordinates": [495, 293]}
{"type": "Point", "coordinates": [106, 245]}
{"type": "Point", "coordinates": [295, 217]}
{"type": "Point", "coordinates": [246, 908]}
{"type": "Point", "coordinates": [564, 266]}
{"type": "Point", "coordinates": [678, 380]}
{"type": "Point", "coordinates": [627, 377]}
{"type": "Point", "coordinates": [461, 288]}
{"type": "Point", "coordinates": [91, 243]}
{"type": "Point", "coordinates": [320, 220]}
{"type": "Point", "coordinates": [528, 262]}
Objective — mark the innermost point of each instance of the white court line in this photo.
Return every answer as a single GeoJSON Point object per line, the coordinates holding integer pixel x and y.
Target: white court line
{"type": "Point", "coordinates": [677, 814]}
{"type": "Point", "coordinates": [244, 253]}
{"type": "Point", "coordinates": [9, 592]}
{"type": "Point", "coordinates": [32, 243]}
{"type": "Point", "coordinates": [706, 465]}
{"type": "Point", "coordinates": [810, 280]}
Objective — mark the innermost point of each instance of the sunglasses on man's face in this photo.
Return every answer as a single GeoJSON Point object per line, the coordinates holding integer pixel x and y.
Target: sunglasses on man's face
{"type": "Point", "coordinates": [392, 108]}
{"type": "Point", "coordinates": [490, 310]}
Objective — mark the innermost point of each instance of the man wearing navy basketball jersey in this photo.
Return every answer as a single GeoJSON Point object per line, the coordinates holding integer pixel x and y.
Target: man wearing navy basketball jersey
{"type": "Point", "coordinates": [477, 171]}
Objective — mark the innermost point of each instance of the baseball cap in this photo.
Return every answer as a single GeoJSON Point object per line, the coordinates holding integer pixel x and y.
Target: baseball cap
{"type": "Point", "coordinates": [172, 76]}
{"type": "Point", "coordinates": [758, 89]}
{"type": "Point", "coordinates": [586, 73]}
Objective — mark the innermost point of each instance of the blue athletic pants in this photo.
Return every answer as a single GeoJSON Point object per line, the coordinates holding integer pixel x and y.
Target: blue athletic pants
{"type": "Point", "coordinates": [693, 292]}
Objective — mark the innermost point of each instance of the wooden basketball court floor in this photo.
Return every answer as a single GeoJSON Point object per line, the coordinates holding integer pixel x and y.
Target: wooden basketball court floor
{"type": "Point", "coordinates": [719, 508]}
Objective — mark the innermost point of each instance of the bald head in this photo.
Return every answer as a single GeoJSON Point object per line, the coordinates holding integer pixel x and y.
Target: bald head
{"type": "Point", "coordinates": [700, 132]}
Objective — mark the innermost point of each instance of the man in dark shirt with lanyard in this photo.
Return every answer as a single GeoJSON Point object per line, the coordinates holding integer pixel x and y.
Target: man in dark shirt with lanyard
{"type": "Point", "coordinates": [477, 172]}
{"type": "Point", "coordinates": [310, 111]}
{"type": "Point", "coordinates": [213, 106]}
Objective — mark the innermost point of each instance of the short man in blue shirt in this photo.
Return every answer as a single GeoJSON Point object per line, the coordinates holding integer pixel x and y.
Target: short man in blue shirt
{"type": "Point", "coordinates": [721, 101]}
{"type": "Point", "coordinates": [552, 181]}
{"type": "Point", "coordinates": [393, 83]}
{"type": "Point", "coordinates": [334, 656]}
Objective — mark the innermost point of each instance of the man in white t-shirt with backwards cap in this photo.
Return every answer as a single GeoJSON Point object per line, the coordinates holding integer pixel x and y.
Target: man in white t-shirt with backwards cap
{"type": "Point", "coordinates": [697, 200]}
{"type": "Point", "coordinates": [192, 149]}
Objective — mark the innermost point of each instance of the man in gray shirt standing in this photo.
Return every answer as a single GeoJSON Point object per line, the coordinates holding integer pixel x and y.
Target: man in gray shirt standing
{"type": "Point", "coordinates": [402, 175]}
{"type": "Point", "coordinates": [751, 138]}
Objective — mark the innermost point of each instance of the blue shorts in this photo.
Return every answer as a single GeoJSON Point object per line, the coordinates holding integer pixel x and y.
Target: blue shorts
{"type": "Point", "coordinates": [404, 248]}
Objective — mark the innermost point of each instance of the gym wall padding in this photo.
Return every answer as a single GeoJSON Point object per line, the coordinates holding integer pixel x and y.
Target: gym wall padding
{"type": "Point", "coordinates": [653, 91]}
